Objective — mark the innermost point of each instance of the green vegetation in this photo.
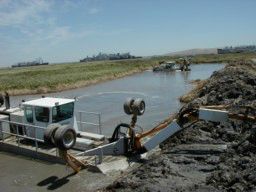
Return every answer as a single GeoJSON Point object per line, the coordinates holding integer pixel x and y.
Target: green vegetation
{"type": "Point", "coordinates": [42, 79]}
{"type": "Point", "coordinates": [57, 77]}
{"type": "Point", "coordinates": [215, 58]}
{"type": "Point", "coordinates": [223, 58]}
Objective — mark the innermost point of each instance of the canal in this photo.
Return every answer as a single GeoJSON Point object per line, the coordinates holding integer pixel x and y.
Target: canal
{"type": "Point", "coordinates": [161, 92]}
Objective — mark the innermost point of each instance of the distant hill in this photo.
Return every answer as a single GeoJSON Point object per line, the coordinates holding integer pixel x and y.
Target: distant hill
{"type": "Point", "coordinates": [193, 52]}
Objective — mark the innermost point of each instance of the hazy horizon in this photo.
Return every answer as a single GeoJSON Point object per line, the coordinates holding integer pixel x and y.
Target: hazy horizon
{"type": "Point", "coordinates": [63, 31]}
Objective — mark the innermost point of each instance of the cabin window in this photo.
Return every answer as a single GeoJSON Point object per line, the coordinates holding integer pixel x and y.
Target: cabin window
{"type": "Point", "coordinates": [62, 112]}
{"type": "Point", "coordinates": [29, 114]}
{"type": "Point", "coordinates": [42, 114]}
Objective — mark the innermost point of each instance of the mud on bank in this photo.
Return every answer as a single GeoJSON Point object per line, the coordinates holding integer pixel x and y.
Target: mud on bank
{"type": "Point", "coordinates": [206, 156]}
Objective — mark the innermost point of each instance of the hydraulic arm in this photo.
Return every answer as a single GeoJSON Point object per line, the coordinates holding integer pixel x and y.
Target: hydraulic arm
{"type": "Point", "coordinates": [125, 141]}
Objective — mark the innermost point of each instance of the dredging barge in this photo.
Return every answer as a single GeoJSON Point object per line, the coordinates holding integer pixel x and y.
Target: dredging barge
{"type": "Point", "coordinates": [47, 128]}
{"type": "Point", "coordinates": [173, 66]}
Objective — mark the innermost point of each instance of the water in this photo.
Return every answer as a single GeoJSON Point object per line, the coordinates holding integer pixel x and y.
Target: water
{"type": "Point", "coordinates": [161, 92]}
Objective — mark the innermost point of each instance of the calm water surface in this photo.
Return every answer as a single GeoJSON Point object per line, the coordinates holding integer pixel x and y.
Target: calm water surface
{"type": "Point", "coordinates": [159, 90]}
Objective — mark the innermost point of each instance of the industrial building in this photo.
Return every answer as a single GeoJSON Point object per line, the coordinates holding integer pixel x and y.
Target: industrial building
{"type": "Point", "coordinates": [239, 49]}
{"type": "Point", "coordinates": [37, 62]}
{"type": "Point", "coordinates": [104, 56]}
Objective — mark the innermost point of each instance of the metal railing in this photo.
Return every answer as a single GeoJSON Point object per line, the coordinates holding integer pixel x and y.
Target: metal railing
{"type": "Point", "coordinates": [81, 123]}
{"type": "Point", "coordinates": [16, 132]}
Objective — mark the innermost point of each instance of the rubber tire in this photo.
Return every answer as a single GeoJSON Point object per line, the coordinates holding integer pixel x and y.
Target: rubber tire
{"type": "Point", "coordinates": [139, 106]}
{"type": "Point", "coordinates": [59, 137]}
{"type": "Point", "coordinates": [1, 100]}
{"type": "Point", "coordinates": [128, 106]}
{"type": "Point", "coordinates": [49, 133]}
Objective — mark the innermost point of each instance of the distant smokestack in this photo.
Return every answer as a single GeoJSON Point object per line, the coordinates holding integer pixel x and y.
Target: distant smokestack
{"type": "Point", "coordinates": [7, 100]}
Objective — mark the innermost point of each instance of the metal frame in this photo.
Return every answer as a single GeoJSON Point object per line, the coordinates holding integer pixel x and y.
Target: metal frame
{"type": "Point", "coordinates": [35, 128]}
{"type": "Point", "coordinates": [23, 136]}
{"type": "Point", "coordinates": [213, 115]}
{"type": "Point", "coordinates": [116, 148]}
{"type": "Point", "coordinates": [162, 135]}
{"type": "Point", "coordinates": [81, 122]}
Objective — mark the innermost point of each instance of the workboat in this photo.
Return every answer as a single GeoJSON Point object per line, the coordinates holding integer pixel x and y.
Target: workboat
{"type": "Point", "coordinates": [166, 66]}
{"type": "Point", "coordinates": [39, 118]}
{"type": "Point", "coordinates": [47, 128]}
{"type": "Point", "coordinates": [172, 66]}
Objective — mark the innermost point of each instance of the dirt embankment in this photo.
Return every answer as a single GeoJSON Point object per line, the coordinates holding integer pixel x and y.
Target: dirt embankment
{"type": "Point", "coordinates": [206, 156]}
{"type": "Point", "coordinates": [190, 96]}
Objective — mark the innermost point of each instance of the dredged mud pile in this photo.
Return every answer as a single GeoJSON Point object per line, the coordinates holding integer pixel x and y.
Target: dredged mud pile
{"type": "Point", "coordinates": [206, 156]}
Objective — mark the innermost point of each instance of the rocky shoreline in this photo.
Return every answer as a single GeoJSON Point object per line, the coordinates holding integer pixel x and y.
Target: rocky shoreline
{"type": "Point", "coordinates": [206, 156]}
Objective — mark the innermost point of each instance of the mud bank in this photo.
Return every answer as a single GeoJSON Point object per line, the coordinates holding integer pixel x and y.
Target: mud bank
{"type": "Point", "coordinates": [206, 156]}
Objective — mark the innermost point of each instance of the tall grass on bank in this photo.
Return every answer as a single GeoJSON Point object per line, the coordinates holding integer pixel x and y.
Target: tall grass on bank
{"type": "Point", "coordinates": [57, 77]}
{"type": "Point", "coordinates": [213, 58]}
{"type": "Point", "coordinates": [42, 79]}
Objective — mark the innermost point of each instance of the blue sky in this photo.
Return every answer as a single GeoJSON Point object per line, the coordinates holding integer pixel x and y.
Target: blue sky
{"type": "Point", "coordinates": [65, 30]}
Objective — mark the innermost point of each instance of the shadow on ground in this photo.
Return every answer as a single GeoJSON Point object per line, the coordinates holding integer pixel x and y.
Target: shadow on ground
{"type": "Point", "coordinates": [54, 182]}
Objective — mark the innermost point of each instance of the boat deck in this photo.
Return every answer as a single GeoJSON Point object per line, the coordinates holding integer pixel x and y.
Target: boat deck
{"type": "Point", "coordinates": [40, 151]}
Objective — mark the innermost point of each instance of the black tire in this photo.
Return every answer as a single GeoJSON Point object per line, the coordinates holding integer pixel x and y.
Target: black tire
{"type": "Point", "coordinates": [139, 106]}
{"type": "Point", "coordinates": [128, 106]}
{"type": "Point", "coordinates": [65, 137]}
{"type": "Point", "coordinates": [1, 99]}
{"type": "Point", "coordinates": [49, 134]}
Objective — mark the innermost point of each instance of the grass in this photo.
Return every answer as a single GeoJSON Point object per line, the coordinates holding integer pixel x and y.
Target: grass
{"type": "Point", "coordinates": [42, 79]}
{"type": "Point", "coordinates": [224, 58]}
{"type": "Point", "coordinates": [215, 58]}
{"type": "Point", "coordinates": [57, 77]}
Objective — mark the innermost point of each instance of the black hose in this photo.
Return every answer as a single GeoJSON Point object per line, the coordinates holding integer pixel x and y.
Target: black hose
{"type": "Point", "coordinates": [7, 100]}
{"type": "Point", "coordinates": [1, 99]}
{"type": "Point", "coordinates": [116, 131]}
{"type": "Point", "coordinates": [130, 144]}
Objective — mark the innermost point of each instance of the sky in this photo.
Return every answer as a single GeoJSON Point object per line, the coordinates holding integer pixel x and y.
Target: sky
{"type": "Point", "coordinates": [69, 30]}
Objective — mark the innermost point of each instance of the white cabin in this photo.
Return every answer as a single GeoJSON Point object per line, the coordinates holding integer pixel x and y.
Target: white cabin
{"type": "Point", "coordinates": [45, 111]}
